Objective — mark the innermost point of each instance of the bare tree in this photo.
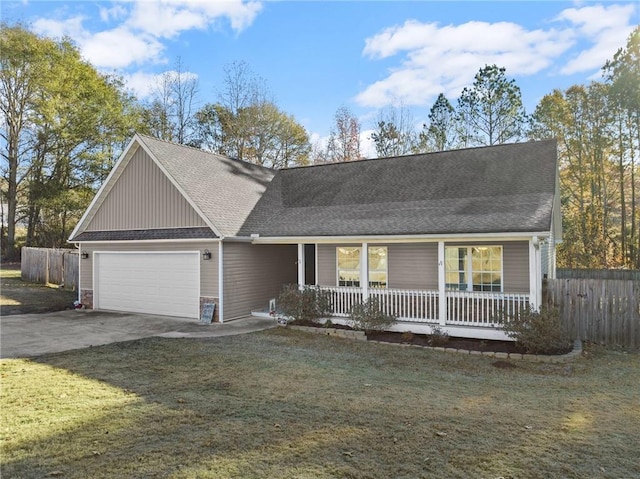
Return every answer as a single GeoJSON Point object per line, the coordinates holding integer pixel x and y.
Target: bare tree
{"type": "Point", "coordinates": [170, 116]}
{"type": "Point", "coordinates": [395, 133]}
{"type": "Point", "coordinates": [344, 139]}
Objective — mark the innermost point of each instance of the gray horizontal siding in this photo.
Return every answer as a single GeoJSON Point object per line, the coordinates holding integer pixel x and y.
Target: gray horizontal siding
{"type": "Point", "coordinates": [253, 274]}
{"type": "Point", "coordinates": [208, 269]}
{"type": "Point", "coordinates": [415, 265]}
{"type": "Point", "coordinates": [326, 264]}
{"type": "Point", "coordinates": [515, 267]}
{"type": "Point", "coordinates": [143, 197]}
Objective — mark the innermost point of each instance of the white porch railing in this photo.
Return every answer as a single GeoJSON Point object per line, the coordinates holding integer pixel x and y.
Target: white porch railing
{"type": "Point", "coordinates": [475, 308]}
{"type": "Point", "coordinates": [343, 298]}
{"type": "Point", "coordinates": [466, 308]}
{"type": "Point", "coordinates": [408, 304]}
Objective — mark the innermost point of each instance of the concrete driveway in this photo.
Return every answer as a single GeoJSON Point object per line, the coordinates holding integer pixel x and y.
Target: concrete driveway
{"type": "Point", "coordinates": [28, 335]}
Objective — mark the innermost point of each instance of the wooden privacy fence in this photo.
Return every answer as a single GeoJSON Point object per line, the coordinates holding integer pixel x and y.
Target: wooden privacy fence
{"type": "Point", "coordinates": [567, 273]}
{"type": "Point", "coordinates": [47, 265]}
{"type": "Point", "coordinates": [605, 311]}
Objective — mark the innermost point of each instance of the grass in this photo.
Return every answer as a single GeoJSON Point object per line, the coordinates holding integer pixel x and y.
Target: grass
{"type": "Point", "coordinates": [285, 404]}
{"type": "Point", "coordinates": [20, 297]}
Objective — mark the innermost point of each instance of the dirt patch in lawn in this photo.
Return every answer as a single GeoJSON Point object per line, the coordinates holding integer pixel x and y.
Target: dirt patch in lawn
{"type": "Point", "coordinates": [21, 297]}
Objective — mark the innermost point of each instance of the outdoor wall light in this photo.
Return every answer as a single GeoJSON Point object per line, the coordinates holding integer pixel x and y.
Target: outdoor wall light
{"type": "Point", "coordinates": [84, 255]}
{"type": "Point", "coordinates": [206, 255]}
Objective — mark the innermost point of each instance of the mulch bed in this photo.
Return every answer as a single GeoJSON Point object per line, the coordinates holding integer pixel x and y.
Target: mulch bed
{"type": "Point", "coordinates": [483, 345]}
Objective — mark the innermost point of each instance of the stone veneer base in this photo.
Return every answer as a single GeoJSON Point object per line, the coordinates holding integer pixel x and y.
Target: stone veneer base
{"type": "Point", "coordinates": [86, 298]}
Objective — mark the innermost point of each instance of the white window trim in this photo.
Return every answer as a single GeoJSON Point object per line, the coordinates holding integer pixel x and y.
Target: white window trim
{"type": "Point", "coordinates": [469, 273]}
{"type": "Point", "coordinates": [359, 248]}
{"type": "Point", "coordinates": [386, 269]}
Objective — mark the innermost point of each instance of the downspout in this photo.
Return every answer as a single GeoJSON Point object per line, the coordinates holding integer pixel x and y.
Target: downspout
{"type": "Point", "coordinates": [301, 266]}
{"type": "Point", "coordinates": [220, 283]}
{"type": "Point", "coordinates": [442, 300]}
{"type": "Point", "coordinates": [364, 271]}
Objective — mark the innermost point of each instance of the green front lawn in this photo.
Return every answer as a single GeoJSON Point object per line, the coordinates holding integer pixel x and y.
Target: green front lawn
{"type": "Point", "coordinates": [285, 404]}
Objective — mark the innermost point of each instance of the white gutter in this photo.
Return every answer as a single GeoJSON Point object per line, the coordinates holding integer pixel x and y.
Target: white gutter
{"type": "Point", "coordinates": [396, 238]}
{"type": "Point", "coordinates": [177, 240]}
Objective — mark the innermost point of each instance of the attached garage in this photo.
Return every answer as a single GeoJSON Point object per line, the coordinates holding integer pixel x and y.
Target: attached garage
{"type": "Point", "coordinates": [158, 282]}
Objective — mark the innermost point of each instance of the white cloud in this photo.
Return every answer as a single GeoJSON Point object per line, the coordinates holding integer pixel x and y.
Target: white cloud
{"type": "Point", "coordinates": [367, 145]}
{"type": "Point", "coordinates": [437, 58]}
{"type": "Point", "coordinates": [120, 48]}
{"type": "Point", "coordinates": [605, 27]}
{"type": "Point", "coordinates": [141, 26]}
{"type": "Point", "coordinates": [71, 27]}
{"type": "Point", "coordinates": [114, 13]}
{"type": "Point", "coordinates": [143, 84]}
{"type": "Point", "coordinates": [167, 19]}
{"type": "Point", "coordinates": [444, 59]}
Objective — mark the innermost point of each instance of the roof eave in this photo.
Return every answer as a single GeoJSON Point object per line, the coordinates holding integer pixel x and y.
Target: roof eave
{"type": "Point", "coordinates": [506, 236]}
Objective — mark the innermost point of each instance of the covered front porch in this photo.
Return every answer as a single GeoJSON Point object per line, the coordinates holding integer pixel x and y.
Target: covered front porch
{"type": "Point", "coordinates": [464, 314]}
{"type": "Point", "coordinates": [461, 313]}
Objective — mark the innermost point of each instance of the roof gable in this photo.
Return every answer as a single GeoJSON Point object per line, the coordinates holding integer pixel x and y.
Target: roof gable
{"type": "Point", "coordinates": [223, 189]}
{"type": "Point", "coordinates": [220, 190]}
{"type": "Point", "coordinates": [143, 197]}
{"type": "Point", "coordinates": [505, 188]}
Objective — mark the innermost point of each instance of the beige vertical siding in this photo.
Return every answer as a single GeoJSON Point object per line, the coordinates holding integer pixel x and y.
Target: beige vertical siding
{"type": "Point", "coordinates": [143, 197]}
{"type": "Point", "coordinates": [413, 266]}
{"type": "Point", "coordinates": [326, 264]}
{"type": "Point", "coordinates": [253, 274]}
{"type": "Point", "coordinates": [208, 269]}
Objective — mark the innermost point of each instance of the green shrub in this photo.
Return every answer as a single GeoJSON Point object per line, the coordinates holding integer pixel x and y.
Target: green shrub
{"type": "Point", "coordinates": [306, 305]}
{"type": "Point", "coordinates": [438, 337]}
{"type": "Point", "coordinates": [537, 332]}
{"type": "Point", "coordinates": [368, 316]}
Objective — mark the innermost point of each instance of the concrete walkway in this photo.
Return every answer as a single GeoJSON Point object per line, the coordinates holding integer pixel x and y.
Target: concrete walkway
{"type": "Point", "coordinates": [28, 335]}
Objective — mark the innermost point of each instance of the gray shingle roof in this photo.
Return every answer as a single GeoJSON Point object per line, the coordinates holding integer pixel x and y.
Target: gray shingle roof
{"type": "Point", "coordinates": [148, 234]}
{"type": "Point", "coordinates": [505, 188]}
{"type": "Point", "coordinates": [225, 190]}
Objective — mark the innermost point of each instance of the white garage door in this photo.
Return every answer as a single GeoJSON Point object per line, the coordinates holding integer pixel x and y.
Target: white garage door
{"type": "Point", "coordinates": [166, 283]}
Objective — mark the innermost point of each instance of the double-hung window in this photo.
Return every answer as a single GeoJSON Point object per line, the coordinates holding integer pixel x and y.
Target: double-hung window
{"type": "Point", "coordinates": [473, 268]}
{"type": "Point", "coordinates": [349, 266]}
{"type": "Point", "coordinates": [377, 266]}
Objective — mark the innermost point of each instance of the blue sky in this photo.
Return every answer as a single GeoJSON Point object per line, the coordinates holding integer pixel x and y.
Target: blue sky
{"type": "Point", "coordinates": [319, 56]}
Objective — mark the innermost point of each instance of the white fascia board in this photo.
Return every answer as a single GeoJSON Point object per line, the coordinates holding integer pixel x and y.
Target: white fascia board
{"type": "Point", "coordinates": [238, 239]}
{"type": "Point", "coordinates": [182, 192]}
{"type": "Point", "coordinates": [89, 212]}
{"type": "Point", "coordinates": [185, 240]}
{"type": "Point", "coordinates": [400, 238]}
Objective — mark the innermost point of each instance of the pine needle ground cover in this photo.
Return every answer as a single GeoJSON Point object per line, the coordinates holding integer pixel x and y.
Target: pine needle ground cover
{"type": "Point", "coordinates": [285, 404]}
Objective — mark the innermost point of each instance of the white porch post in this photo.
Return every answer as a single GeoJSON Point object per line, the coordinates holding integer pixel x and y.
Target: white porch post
{"type": "Point", "coordinates": [316, 281]}
{"type": "Point", "coordinates": [442, 302]}
{"type": "Point", "coordinates": [535, 268]}
{"type": "Point", "coordinates": [300, 265]}
{"type": "Point", "coordinates": [220, 283]}
{"type": "Point", "coordinates": [364, 271]}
